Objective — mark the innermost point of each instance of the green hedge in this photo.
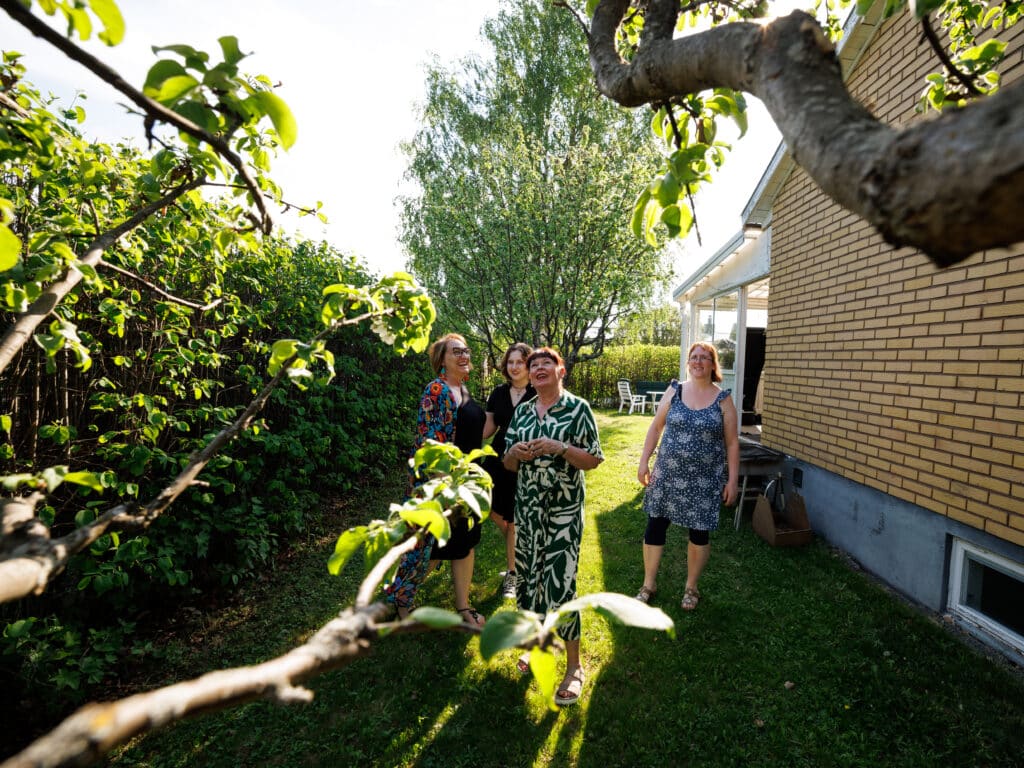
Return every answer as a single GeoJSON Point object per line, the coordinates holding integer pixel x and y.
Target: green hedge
{"type": "Point", "coordinates": [596, 380]}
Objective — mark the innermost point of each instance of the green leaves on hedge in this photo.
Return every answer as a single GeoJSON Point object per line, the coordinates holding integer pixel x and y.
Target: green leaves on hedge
{"type": "Point", "coordinates": [10, 248]}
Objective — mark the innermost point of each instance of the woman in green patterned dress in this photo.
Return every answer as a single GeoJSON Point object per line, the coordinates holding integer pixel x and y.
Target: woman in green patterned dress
{"type": "Point", "coordinates": [551, 442]}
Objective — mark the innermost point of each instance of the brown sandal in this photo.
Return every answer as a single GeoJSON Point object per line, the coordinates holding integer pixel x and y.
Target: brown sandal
{"type": "Point", "coordinates": [471, 617]}
{"type": "Point", "coordinates": [645, 594]}
{"type": "Point", "coordinates": [691, 597]}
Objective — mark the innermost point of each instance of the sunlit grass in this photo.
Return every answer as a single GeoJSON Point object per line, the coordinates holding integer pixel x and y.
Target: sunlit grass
{"type": "Point", "coordinates": [792, 659]}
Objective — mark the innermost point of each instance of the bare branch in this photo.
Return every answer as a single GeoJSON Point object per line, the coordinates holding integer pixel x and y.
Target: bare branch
{"type": "Point", "coordinates": [883, 175]}
{"type": "Point", "coordinates": [153, 109]}
{"type": "Point", "coordinates": [97, 728]}
{"type": "Point", "coordinates": [572, 11]}
{"type": "Point", "coordinates": [933, 40]}
{"type": "Point", "coordinates": [157, 289]}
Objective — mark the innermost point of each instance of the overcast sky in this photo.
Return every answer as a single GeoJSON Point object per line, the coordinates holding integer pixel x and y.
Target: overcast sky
{"type": "Point", "coordinates": [352, 73]}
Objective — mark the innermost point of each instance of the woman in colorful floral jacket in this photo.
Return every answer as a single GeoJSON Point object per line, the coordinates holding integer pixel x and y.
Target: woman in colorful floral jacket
{"type": "Point", "coordinates": [447, 414]}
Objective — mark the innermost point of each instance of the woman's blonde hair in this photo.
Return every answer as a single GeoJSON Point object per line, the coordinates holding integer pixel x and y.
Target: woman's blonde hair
{"type": "Point", "coordinates": [439, 347]}
{"type": "Point", "coordinates": [707, 346]}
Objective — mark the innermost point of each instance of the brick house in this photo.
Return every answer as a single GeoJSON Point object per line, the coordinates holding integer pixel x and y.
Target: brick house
{"type": "Point", "coordinates": [895, 388]}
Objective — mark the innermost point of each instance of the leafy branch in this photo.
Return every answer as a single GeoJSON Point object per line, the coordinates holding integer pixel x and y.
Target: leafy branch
{"type": "Point", "coordinates": [154, 110]}
{"type": "Point", "coordinates": [398, 310]}
{"type": "Point", "coordinates": [18, 334]}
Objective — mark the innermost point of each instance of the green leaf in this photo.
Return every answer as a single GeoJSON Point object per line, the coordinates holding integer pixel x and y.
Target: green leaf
{"type": "Point", "coordinates": [79, 21]}
{"type": "Point", "coordinates": [173, 88]}
{"type": "Point", "coordinates": [229, 46]}
{"type": "Point", "coordinates": [639, 207]}
{"type": "Point", "coordinates": [160, 72]}
{"type": "Point", "coordinates": [5, 423]}
{"type": "Point", "coordinates": [921, 8]}
{"type": "Point", "coordinates": [88, 479]}
{"type": "Point", "coordinates": [10, 248]}
{"type": "Point", "coordinates": [347, 545]}
{"type": "Point", "coordinates": [110, 16]}
{"type": "Point", "coordinates": [988, 52]}
{"type": "Point", "coordinates": [507, 629]}
{"type": "Point", "coordinates": [436, 618]}
{"type": "Point", "coordinates": [200, 114]}
{"type": "Point", "coordinates": [18, 628]}
{"type": "Point", "coordinates": [280, 115]}
{"type": "Point", "coordinates": [542, 665]}
{"type": "Point", "coordinates": [624, 610]}
{"type": "Point", "coordinates": [668, 189]}
{"type": "Point", "coordinates": [429, 515]}
{"type": "Point", "coordinates": [671, 217]}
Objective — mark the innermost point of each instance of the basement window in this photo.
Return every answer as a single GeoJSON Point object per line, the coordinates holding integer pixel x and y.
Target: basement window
{"type": "Point", "coordinates": [986, 592]}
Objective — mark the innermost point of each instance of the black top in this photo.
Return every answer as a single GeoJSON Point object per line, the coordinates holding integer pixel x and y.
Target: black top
{"type": "Point", "coordinates": [469, 424]}
{"type": "Point", "coordinates": [500, 404]}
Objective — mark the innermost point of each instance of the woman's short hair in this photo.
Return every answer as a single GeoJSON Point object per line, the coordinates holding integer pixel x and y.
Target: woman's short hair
{"type": "Point", "coordinates": [523, 349]}
{"type": "Point", "coordinates": [545, 352]}
{"type": "Point", "coordinates": [707, 346]}
{"type": "Point", "coordinates": [439, 347]}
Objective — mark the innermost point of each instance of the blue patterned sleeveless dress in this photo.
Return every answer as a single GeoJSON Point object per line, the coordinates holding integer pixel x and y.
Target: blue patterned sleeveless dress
{"type": "Point", "coordinates": [690, 471]}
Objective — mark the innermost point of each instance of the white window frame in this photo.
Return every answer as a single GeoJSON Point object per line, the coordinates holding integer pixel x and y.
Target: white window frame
{"type": "Point", "coordinates": [961, 553]}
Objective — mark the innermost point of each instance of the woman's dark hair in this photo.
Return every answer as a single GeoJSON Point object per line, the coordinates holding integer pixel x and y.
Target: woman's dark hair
{"type": "Point", "coordinates": [545, 352]}
{"type": "Point", "coordinates": [523, 349]}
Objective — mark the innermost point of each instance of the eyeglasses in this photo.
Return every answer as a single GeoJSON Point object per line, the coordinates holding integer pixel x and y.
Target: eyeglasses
{"type": "Point", "coordinates": [700, 359]}
{"type": "Point", "coordinates": [460, 351]}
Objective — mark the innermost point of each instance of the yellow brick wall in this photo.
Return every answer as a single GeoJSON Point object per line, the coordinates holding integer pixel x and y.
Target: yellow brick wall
{"type": "Point", "coordinates": [883, 368]}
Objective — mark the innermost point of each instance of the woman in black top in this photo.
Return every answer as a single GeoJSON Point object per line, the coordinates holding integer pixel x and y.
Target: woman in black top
{"type": "Point", "coordinates": [500, 406]}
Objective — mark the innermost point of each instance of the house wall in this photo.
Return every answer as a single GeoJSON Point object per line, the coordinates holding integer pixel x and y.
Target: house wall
{"type": "Point", "coordinates": [899, 386]}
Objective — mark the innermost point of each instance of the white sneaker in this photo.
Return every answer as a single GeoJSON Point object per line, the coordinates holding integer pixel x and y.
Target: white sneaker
{"type": "Point", "coordinates": [508, 585]}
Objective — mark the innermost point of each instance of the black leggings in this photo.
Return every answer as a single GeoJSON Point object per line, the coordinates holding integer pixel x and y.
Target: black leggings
{"type": "Point", "coordinates": [657, 528]}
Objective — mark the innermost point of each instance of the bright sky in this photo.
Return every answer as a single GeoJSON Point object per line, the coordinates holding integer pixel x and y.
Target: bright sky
{"type": "Point", "coordinates": [352, 73]}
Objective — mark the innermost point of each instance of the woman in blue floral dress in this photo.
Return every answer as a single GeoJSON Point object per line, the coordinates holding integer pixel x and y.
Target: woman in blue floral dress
{"type": "Point", "coordinates": [697, 469]}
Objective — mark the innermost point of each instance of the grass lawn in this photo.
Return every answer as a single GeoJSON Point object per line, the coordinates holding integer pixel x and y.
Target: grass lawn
{"type": "Point", "coordinates": [791, 659]}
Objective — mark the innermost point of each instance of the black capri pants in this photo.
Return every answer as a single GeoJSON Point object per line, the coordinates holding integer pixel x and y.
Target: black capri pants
{"type": "Point", "coordinates": [657, 528]}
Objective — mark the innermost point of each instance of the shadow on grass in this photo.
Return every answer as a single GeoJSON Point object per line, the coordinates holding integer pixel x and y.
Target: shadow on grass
{"type": "Point", "coordinates": [871, 681]}
{"type": "Point", "coordinates": [790, 659]}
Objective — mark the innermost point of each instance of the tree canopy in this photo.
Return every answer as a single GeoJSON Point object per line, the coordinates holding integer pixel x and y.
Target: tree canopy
{"type": "Point", "coordinates": [524, 172]}
{"type": "Point", "coordinates": [884, 174]}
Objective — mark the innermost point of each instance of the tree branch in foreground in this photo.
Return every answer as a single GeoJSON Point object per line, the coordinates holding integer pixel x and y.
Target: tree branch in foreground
{"type": "Point", "coordinates": [28, 566]}
{"type": "Point", "coordinates": [885, 176]}
{"type": "Point", "coordinates": [95, 729]}
{"type": "Point", "coordinates": [151, 108]}
{"type": "Point", "coordinates": [18, 334]}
